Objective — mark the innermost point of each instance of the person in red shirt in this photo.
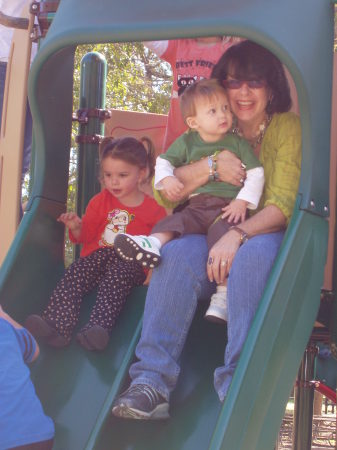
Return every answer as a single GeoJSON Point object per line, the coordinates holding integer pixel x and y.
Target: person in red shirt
{"type": "Point", "coordinates": [191, 60]}
{"type": "Point", "coordinates": [120, 207]}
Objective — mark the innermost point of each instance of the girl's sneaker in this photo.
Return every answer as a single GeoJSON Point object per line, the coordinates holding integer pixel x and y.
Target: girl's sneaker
{"type": "Point", "coordinates": [140, 249]}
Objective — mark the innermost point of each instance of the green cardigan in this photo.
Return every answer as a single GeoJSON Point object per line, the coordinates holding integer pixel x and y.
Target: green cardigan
{"type": "Point", "coordinates": [280, 155]}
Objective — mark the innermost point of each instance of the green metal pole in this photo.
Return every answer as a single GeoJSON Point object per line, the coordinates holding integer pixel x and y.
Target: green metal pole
{"type": "Point", "coordinates": [304, 401]}
{"type": "Point", "coordinates": [91, 128]}
{"type": "Point", "coordinates": [92, 97]}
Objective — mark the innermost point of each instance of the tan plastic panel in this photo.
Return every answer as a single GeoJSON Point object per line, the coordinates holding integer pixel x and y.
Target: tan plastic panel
{"type": "Point", "coordinates": [12, 132]}
{"type": "Point", "coordinates": [138, 125]}
{"type": "Point", "coordinates": [328, 274]}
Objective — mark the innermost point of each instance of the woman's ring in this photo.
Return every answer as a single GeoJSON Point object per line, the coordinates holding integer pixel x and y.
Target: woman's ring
{"type": "Point", "coordinates": [224, 263]}
{"type": "Point", "coordinates": [210, 261]}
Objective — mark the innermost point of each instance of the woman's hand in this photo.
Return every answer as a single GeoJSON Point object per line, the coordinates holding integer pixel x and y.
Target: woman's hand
{"type": "Point", "coordinates": [192, 176]}
{"type": "Point", "coordinates": [221, 255]}
{"type": "Point", "coordinates": [230, 168]}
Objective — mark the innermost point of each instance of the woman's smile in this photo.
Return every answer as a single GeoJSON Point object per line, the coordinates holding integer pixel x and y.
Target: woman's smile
{"type": "Point", "coordinates": [245, 104]}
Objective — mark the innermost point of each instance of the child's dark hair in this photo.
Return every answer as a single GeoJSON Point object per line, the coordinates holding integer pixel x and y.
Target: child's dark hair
{"type": "Point", "coordinates": [139, 153]}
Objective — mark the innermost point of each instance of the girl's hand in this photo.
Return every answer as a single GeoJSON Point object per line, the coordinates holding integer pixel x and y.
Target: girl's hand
{"type": "Point", "coordinates": [230, 168]}
{"type": "Point", "coordinates": [236, 211]}
{"type": "Point", "coordinates": [148, 278]}
{"type": "Point", "coordinates": [71, 220]}
{"type": "Point", "coordinates": [221, 256]}
{"type": "Point", "coordinates": [172, 188]}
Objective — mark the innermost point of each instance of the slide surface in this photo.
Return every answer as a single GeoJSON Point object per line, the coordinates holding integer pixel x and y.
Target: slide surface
{"type": "Point", "coordinates": [76, 388]}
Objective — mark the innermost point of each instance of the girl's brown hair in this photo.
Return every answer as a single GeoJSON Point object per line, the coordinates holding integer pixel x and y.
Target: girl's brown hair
{"type": "Point", "coordinates": [139, 153]}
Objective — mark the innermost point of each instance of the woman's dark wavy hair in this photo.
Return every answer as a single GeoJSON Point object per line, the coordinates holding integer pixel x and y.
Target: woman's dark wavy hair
{"type": "Point", "coordinates": [249, 61]}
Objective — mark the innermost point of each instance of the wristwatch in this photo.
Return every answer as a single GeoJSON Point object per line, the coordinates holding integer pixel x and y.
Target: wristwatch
{"type": "Point", "coordinates": [243, 235]}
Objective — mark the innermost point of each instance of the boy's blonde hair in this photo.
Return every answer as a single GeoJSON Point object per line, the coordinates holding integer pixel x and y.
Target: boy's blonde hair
{"type": "Point", "coordinates": [202, 89]}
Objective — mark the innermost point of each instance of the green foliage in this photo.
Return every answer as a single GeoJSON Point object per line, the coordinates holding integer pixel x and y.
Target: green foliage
{"type": "Point", "coordinates": [137, 79]}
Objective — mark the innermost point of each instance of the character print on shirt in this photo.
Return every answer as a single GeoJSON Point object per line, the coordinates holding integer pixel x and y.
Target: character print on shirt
{"type": "Point", "coordinates": [189, 71]}
{"type": "Point", "coordinates": [185, 81]}
{"type": "Point", "coordinates": [118, 220]}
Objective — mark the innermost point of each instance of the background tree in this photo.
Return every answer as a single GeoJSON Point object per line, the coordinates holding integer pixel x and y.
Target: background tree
{"type": "Point", "coordinates": [137, 79]}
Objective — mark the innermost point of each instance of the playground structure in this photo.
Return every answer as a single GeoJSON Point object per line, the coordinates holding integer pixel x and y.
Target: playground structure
{"type": "Point", "coordinates": [77, 388]}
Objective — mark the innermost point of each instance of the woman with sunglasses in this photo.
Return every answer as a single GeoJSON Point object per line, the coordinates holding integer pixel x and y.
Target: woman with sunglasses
{"type": "Point", "coordinates": [259, 97]}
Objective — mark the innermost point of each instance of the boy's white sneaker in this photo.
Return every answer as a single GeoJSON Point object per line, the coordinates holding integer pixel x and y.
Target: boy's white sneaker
{"type": "Point", "coordinates": [217, 310]}
{"type": "Point", "coordinates": [140, 249]}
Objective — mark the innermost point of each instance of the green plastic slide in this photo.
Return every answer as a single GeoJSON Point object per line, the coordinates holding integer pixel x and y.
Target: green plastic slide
{"type": "Point", "coordinates": [77, 387]}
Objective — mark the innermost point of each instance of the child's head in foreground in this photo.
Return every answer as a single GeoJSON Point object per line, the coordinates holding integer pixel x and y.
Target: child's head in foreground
{"type": "Point", "coordinates": [125, 163]}
{"type": "Point", "coordinates": [205, 108]}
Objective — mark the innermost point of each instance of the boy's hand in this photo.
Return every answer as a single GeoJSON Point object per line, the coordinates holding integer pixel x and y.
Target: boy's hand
{"type": "Point", "coordinates": [172, 187]}
{"type": "Point", "coordinates": [236, 211]}
{"type": "Point", "coordinates": [71, 221]}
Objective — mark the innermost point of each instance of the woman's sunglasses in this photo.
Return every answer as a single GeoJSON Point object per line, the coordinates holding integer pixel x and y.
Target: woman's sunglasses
{"type": "Point", "coordinates": [237, 84]}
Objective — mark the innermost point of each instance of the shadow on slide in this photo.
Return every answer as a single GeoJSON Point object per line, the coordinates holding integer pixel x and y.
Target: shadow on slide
{"type": "Point", "coordinates": [77, 388]}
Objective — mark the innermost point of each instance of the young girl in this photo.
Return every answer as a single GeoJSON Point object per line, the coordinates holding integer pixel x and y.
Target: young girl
{"type": "Point", "coordinates": [120, 207]}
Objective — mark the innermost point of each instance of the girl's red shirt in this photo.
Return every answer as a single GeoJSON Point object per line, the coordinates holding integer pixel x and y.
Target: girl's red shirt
{"type": "Point", "coordinates": [105, 217]}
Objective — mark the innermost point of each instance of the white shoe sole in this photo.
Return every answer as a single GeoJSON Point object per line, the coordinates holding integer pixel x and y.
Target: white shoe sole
{"type": "Point", "coordinates": [125, 412]}
{"type": "Point", "coordinates": [129, 250]}
{"type": "Point", "coordinates": [215, 316]}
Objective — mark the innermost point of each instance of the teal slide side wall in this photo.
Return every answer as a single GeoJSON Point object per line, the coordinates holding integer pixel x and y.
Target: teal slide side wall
{"type": "Point", "coordinates": [37, 251]}
{"type": "Point", "coordinates": [34, 262]}
{"type": "Point", "coordinates": [52, 111]}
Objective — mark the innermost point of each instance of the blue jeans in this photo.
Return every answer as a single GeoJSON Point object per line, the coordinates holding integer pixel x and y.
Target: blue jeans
{"type": "Point", "coordinates": [175, 289]}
